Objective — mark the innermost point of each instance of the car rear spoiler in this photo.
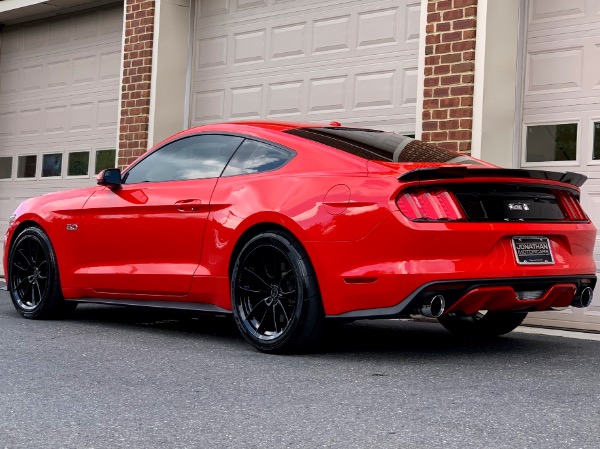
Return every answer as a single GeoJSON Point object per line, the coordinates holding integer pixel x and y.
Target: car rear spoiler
{"type": "Point", "coordinates": [427, 174]}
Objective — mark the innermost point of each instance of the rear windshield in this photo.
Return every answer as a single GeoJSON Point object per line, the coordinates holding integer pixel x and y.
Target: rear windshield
{"type": "Point", "coordinates": [381, 145]}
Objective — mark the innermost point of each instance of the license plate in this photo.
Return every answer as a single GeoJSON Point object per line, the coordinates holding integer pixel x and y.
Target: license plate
{"type": "Point", "coordinates": [531, 250]}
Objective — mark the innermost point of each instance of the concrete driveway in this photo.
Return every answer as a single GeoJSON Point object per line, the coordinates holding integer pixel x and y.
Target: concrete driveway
{"type": "Point", "coordinates": [130, 378]}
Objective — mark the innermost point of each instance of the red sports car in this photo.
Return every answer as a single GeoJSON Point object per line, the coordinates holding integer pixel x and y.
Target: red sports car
{"type": "Point", "coordinates": [285, 225]}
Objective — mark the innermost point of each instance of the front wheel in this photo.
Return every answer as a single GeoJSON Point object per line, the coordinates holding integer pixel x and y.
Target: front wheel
{"type": "Point", "coordinates": [275, 296]}
{"type": "Point", "coordinates": [483, 324]}
{"type": "Point", "coordinates": [33, 280]}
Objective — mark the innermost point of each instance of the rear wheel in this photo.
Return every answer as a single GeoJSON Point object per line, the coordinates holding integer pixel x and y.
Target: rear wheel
{"type": "Point", "coordinates": [483, 324]}
{"type": "Point", "coordinates": [33, 279]}
{"type": "Point", "coordinates": [275, 296]}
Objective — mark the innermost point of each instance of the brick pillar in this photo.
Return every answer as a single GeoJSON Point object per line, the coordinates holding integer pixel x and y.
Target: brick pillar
{"type": "Point", "coordinates": [135, 84]}
{"type": "Point", "coordinates": [449, 67]}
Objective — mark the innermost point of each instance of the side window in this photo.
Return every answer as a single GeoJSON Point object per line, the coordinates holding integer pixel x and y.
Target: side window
{"type": "Point", "coordinates": [195, 157]}
{"type": "Point", "coordinates": [256, 157]}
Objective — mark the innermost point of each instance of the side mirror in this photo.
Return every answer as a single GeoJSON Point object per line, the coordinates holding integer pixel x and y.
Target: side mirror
{"type": "Point", "coordinates": [110, 177]}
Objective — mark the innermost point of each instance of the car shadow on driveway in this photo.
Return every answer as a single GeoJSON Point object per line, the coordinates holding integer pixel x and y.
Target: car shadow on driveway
{"type": "Point", "coordinates": [376, 338]}
{"type": "Point", "coordinates": [173, 321]}
{"type": "Point", "coordinates": [405, 337]}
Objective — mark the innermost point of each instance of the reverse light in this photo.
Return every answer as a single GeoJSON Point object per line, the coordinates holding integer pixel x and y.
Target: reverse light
{"type": "Point", "coordinates": [570, 206]}
{"type": "Point", "coordinates": [430, 205]}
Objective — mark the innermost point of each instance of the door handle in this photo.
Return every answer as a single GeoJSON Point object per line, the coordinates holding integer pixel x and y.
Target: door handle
{"type": "Point", "coordinates": [192, 205]}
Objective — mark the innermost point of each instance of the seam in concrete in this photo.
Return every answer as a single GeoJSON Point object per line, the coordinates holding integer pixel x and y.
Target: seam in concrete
{"type": "Point", "coordinates": [558, 333]}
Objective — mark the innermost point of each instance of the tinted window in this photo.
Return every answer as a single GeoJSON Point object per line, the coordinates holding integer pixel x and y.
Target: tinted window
{"type": "Point", "coordinates": [6, 167]}
{"type": "Point", "coordinates": [596, 154]}
{"type": "Point", "coordinates": [551, 142]}
{"type": "Point", "coordinates": [52, 164]}
{"type": "Point", "coordinates": [256, 157]}
{"type": "Point", "coordinates": [26, 166]}
{"type": "Point", "coordinates": [78, 164]}
{"type": "Point", "coordinates": [381, 146]}
{"type": "Point", "coordinates": [105, 159]}
{"type": "Point", "coordinates": [195, 157]}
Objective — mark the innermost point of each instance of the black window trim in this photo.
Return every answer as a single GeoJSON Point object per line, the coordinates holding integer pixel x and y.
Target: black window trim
{"type": "Point", "coordinates": [371, 149]}
{"type": "Point", "coordinates": [244, 137]}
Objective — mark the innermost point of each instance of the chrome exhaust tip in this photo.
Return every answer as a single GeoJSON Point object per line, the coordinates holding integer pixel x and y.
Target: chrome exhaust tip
{"type": "Point", "coordinates": [433, 306]}
{"type": "Point", "coordinates": [584, 299]}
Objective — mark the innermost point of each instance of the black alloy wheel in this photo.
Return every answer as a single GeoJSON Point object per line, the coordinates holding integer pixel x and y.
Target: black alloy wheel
{"type": "Point", "coordinates": [276, 302]}
{"type": "Point", "coordinates": [483, 324]}
{"type": "Point", "coordinates": [33, 279]}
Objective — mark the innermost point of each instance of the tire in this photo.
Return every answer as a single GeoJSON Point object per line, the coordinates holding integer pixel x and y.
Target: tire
{"type": "Point", "coordinates": [33, 281]}
{"type": "Point", "coordinates": [275, 297]}
{"type": "Point", "coordinates": [483, 325]}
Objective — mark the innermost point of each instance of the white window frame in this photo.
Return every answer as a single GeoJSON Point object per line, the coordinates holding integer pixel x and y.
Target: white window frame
{"type": "Point", "coordinates": [566, 121]}
{"type": "Point", "coordinates": [41, 166]}
{"type": "Point", "coordinates": [590, 156]}
{"type": "Point", "coordinates": [37, 167]}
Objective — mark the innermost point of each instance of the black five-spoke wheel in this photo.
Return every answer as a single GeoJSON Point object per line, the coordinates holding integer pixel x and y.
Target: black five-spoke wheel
{"type": "Point", "coordinates": [275, 297]}
{"type": "Point", "coordinates": [33, 276]}
{"type": "Point", "coordinates": [29, 280]}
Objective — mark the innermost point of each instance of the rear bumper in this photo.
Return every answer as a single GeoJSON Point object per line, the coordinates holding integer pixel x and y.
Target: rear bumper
{"type": "Point", "coordinates": [467, 296]}
{"type": "Point", "coordinates": [382, 273]}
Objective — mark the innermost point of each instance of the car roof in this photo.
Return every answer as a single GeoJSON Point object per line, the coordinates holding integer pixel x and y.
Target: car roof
{"type": "Point", "coordinates": [249, 126]}
{"type": "Point", "coordinates": [267, 124]}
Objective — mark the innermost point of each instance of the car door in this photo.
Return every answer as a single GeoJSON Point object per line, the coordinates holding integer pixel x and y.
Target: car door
{"type": "Point", "coordinates": [146, 236]}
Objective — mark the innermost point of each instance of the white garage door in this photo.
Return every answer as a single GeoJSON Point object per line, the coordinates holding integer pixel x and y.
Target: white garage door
{"type": "Point", "coordinates": [59, 87]}
{"type": "Point", "coordinates": [561, 116]}
{"type": "Point", "coordinates": [310, 60]}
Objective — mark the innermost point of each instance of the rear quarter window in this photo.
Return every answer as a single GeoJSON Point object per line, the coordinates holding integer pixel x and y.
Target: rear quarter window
{"type": "Point", "coordinates": [256, 157]}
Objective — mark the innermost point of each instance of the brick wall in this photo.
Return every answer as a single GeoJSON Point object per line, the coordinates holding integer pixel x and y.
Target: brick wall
{"type": "Point", "coordinates": [137, 72]}
{"type": "Point", "coordinates": [449, 67]}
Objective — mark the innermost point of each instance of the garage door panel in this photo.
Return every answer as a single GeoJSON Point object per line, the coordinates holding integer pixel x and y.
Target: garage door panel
{"type": "Point", "coordinates": [308, 38]}
{"type": "Point", "coordinates": [61, 70]}
{"type": "Point", "coordinates": [551, 106]}
{"type": "Point", "coordinates": [562, 77]}
{"type": "Point", "coordinates": [544, 11]}
{"type": "Point", "coordinates": [542, 77]}
{"type": "Point", "coordinates": [52, 96]}
{"type": "Point", "coordinates": [579, 70]}
{"type": "Point", "coordinates": [59, 90]}
{"type": "Point", "coordinates": [9, 81]}
{"type": "Point", "coordinates": [366, 90]}
{"type": "Point", "coordinates": [8, 124]}
{"type": "Point", "coordinates": [547, 15]}
{"type": "Point", "coordinates": [84, 113]}
{"type": "Point", "coordinates": [313, 60]}
{"type": "Point", "coordinates": [43, 39]}
{"type": "Point", "coordinates": [238, 10]}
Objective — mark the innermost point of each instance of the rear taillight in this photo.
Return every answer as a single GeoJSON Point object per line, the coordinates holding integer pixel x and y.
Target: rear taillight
{"type": "Point", "coordinates": [430, 205]}
{"type": "Point", "coordinates": [570, 206]}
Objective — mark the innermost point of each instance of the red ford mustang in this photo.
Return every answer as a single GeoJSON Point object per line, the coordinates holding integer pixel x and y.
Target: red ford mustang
{"type": "Point", "coordinates": [287, 224]}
